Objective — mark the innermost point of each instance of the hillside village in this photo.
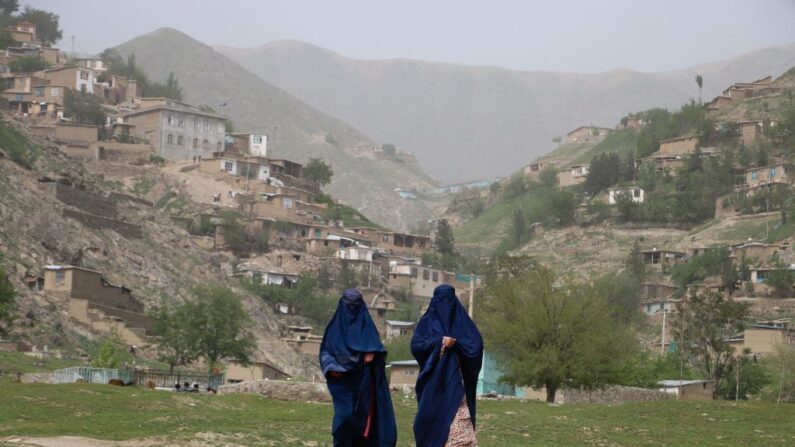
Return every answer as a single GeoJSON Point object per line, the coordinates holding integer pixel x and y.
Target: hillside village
{"type": "Point", "coordinates": [121, 198]}
{"type": "Point", "coordinates": [125, 160]}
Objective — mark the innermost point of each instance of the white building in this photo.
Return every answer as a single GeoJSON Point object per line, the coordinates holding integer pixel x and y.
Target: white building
{"type": "Point", "coordinates": [633, 192]}
{"type": "Point", "coordinates": [396, 328]}
{"type": "Point", "coordinates": [355, 253]}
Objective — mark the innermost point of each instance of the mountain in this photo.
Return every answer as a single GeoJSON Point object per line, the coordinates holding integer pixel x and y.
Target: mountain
{"type": "Point", "coordinates": [467, 122]}
{"type": "Point", "coordinates": [363, 177]}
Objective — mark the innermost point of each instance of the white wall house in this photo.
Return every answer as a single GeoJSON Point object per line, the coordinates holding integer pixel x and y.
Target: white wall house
{"type": "Point", "coordinates": [356, 253]}
{"type": "Point", "coordinates": [633, 192]}
{"type": "Point", "coordinates": [258, 145]}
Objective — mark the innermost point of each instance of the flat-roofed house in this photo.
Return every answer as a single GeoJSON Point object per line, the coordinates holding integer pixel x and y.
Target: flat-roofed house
{"type": "Point", "coordinates": [679, 145]}
{"type": "Point", "coordinates": [76, 78]}
{"type": "Point", "coordinates": [766, 175]}
{"type": "Point", "coordinates": [177, 131]}
{"type": "Point", "coordinates": [689, 389]}
{"type": "Point", "coordinates": [403, 373]}
{"type": "Point", "coordinates": [586, 133]}
{"type": "Point", "coordinates": [396, 328]}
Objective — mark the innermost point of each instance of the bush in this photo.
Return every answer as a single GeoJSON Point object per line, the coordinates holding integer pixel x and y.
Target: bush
{"type": "Point", "coordinates": [156, 159]}
{"type": "Point", "coordinates": [17, 147]}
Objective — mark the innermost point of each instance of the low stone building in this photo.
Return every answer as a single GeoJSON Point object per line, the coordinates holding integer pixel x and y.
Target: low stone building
{"type": "Point", "coordinates": [584, 134]}
{"type": "Point", "coordinates": [236, 373]}
{"type": "Point", "coordinates": [766, 175]}
{"type": "Point", "coordinates": [689, 389]}
{"type": "Point", "coordinates": [398, 328]}
{"type": "Point", "coordinates": [403, 373]}
{"type": "Point", "coordinates": [679, 145]}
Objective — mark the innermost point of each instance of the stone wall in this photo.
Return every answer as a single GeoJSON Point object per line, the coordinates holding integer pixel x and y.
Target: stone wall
{"type": "Point", "coordinates": [281, 390]}
{"type": "Point", "coordinates": [88, 201]}
{"type": "Point", "coordinates": [123, 152]}
{"type": "Point", "coordinates": [127, 230]}
{"type": "Point", "coordinates": [120, 196]}
{"type": "Point", "coordinates": [611, 395]}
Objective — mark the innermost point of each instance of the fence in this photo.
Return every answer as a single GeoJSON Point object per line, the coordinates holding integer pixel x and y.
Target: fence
{"type": "Point", "coordinates": [91, 375]}
{"type": "Point", "coordinates": [164, 378]}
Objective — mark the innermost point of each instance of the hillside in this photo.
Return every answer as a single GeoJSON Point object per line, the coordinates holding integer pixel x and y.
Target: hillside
{"type": "Point", "coordinates": [364, 178]}
{"type": "Point", "coordinates": [60, 211]}
{"type": "Point", "coordinates": [468, 122]}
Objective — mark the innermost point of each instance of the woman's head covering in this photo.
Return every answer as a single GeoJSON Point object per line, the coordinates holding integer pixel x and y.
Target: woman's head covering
{"type": "Point", "coordinates": [350, 333]}
{"type": "Point", "coordinates": [447, 317]}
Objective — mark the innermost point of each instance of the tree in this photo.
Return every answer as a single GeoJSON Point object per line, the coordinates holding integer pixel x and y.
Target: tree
{"type": "Point", "coordinates": [169, 89]}
{"type": "Point", "coordinates": [703, 324]}
{"type": "Point", "coordinates": [7, 304]}
{"type": "Point", "coordinates": [48, 29]}
{"type": "Point", "coordinates": [752, 376]}
{"type": "Point", "coordinates": [784, 364]}
{"type": "Point", "coordinates": [519, 229]}
{"type": "Point", "coordinates": [700, 83]}
{"type": "Point", "coordinates": [221, 325]}
{"type": "Point", "coordinates": [346, 277]}
{"type": "Point", "coordinates": [27, 64]}
{"type": "Point", "coordinates": [634, 264]}
{"type": "Point", "coordinates": [324, 277]}
{"type": "Point", "coordinates": [9, 7]}
{"type": "Point", "coordinates": [549, 177]}
{"type": "Point", "coordinates": [318, 172]}
{"type": "Point", "coordinates": [444, 241]}
{"type": "Point", "coordinates": [551, 335]}
{"type": "Point", "coordinates": [176, 338]}
{"type": "Point", "coordinates": [109, 353]}
{"type": "Point", "coordinates": [562, 205]}
{"type": "Point", "coordinates": [780, 278]}
{"type": "Point", "coordinates": [389, 149]}
{"type": "Point", "coordinates": [5, 39]}
{"type": "Point", "coordinates": [604, 172]}
{"type": "Point", "coordinates": [84, 108]}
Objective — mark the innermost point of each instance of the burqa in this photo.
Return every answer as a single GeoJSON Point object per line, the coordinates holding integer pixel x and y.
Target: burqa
{"type": "Point", "coordinates": [444, 380]}
{"type": "Point", "coordinates": [363, 414]}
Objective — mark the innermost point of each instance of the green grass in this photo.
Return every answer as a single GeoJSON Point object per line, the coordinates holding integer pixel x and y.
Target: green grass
{"type": "Point", "coordinates": [755, 229]}
{"type": "Point", "coordinates": [13, 362]}
{"type": "Point", "coordinates": [17, 147]}
{"type": "Point", "coordinates": [105, 412]}
{"type": "Point", "coordinates": [623, 142]}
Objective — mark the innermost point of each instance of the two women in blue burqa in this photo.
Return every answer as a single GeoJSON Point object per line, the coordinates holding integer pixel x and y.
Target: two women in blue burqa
{"type": "Point", "coordinates": [449, 350]}
{"type": "Point", "coordinates": [353, 360]}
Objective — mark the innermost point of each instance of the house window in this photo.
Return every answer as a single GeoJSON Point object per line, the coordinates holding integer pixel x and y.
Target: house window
{"type": "Point", "coordinates": [180, 140]}
{"type": "Point", "coordinates": [636, 192]}
{"type": "Point", "coordinates": [205, 144]}
{"type": "Point", "coordinates": [170, 119]}
{"type": "Point", "coordinates": [772, 172]}
{"type": "Point", "coordinates": [221, 127]}
{"type": "Point", "coordinates": [287, 202]}
{"type": "Point", "coordinates": [60, 276]}
{"type": "Point", "coordinates": [256, 139]}
{"type": "Point", "coordinates": [20, 82]}
{"type": "Point", "coordinates": [760, 277]}
{"type": "Point", "coordinates": [55, 92]}
{"type": "Point", "coordinates": [435, 277]}
{"type": "Point", "coordinates": [196, 123]}
{"type": "Point", "coordinates": [317, 233]}
{"type": "Point", "coordinates": [414, 272]}
{"type": "Point", "coordinates": [180, 120]}
{"type": "Point", "coordinates": [754, 175]}
{"type": "Point", "coordinates": [228, 166]}
{"type": "Point", "coordinates": [170, 139]}
{"type": "Point", "coordinates": [207, 125]}
{"type": "Point", "coordinates": [38, 91]}
{"type": "Point", "coordinates": [426, 274]}
{"type": "Point", "coordinates": [195, 143]}
{"type": "Point", "coordinates": [218, 147]}
{"type": "Point", "coordinates": [83, 75]}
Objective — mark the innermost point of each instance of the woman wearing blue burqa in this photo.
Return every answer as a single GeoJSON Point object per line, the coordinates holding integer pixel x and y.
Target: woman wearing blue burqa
{"type": "Point", "coordinates": [449, 349]}
{"type": "Point", "coordinates": [353, 361]}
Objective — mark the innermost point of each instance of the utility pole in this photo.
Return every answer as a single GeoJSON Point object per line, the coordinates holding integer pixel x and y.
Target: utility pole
{"type": "Point", "coordinates": [737, 387]}
{"type": "Point", "coordinates": [370, 269]}
{"type": "Point", "coordinates": [662, 337]}
{"type": "Point", "coordinates": [471, 294]}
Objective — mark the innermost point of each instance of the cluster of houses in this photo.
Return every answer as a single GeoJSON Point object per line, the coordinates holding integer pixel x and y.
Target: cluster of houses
{"type": "Point", "coordinates": [674, 152]}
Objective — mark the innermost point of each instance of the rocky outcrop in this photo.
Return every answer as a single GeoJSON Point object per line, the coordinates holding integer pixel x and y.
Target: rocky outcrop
{"type": "Point", "coordinates": [281, 390]}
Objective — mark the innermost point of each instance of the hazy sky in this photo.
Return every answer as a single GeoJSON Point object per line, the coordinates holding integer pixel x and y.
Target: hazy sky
{"type": "Point", "coordinates": [577, 36]}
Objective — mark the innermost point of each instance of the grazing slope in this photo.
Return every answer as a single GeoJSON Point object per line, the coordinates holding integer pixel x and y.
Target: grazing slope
{"type": "Point", "coordinates": [362, 177]}
{"type": "Point", "coordinates": [468, 122]}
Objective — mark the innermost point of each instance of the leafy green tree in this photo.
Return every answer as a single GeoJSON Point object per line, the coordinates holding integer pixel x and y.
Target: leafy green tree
{"type": "Point", "coordinates": [444, 241]}
{"type": "Point", "coordinates": [7, 304]}
{"type": "Point", "coordinates": [549, 177]}
{"type": "Point", "coordinates": [604, 172]}
{"type": "Point", "coordinates": [324, 277]}
{"type": "Point", "coordinates": [221, 325]}
{"type": "Point", "coordinates": [109, 353]}
{"type": "Point", "coordinates": [702, 326]}
{"type": "Point", "coordinates": [549, 334]}
{"type": "Point", "coordinates": [9, 7]}
{"type": "Point", "coordinates": [177, 340]}
{"type": "Point", "coordinates": [646, 370]}
{"type": "Point", "coordinates": [5, 39]}
{"type": "Point", "coordinates": [346, 277]}
{"type": "Point", "coordinates": [318, 172]}
{"type": "Point", "coordinates": [634, 263]}
{"type": "Point", "coordinates": [784, 371]}
{"type": "Point", "coordinates": [27, 64]}
{"type": "Point", "coordinates": [713, 262]}
{"type": "Point", "coordinates": [519, 229]}
{"type": "Point", "coordinates": [48, 28]}
{"type": "Point", "coordinates": [84, 108]}
{"type": "Point", "coordinates": [389, 149]}
{"type": "Point", "coordinates": [700, 82]}
{"type": "Point", "coordinates": [780, 277]}
{"type": "Point", "coordinates": [753, 377]}
{"type": "Point", "coordinates": [562, 204]}
{"type": "Point", "coordinates": [516, 186]}
{"type": "Point", "coordinates": [169, 89]}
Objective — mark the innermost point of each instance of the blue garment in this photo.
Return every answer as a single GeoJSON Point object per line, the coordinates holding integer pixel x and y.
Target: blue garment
{"type": "Point", "coordinates": [349, 335]}
{"type": "Point", "coordinates": [444, 381]}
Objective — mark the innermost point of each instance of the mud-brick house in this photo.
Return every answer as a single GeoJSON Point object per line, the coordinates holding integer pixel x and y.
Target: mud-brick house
{"type": "Point", "coordinates": [248, 143]}
{"type": "Point", "coordinates": [236, 373]}
{"type": "Point", "coordinates": [780, 172]}
{"type": "Point", "coordinates": [403, 243]}
{"type": "Point", "coordinates": [302, 339]}
{"type": "Point", "coordinates": [94, 301]}
{"type": "Point", "coordinates": [395, 328]}
{"type": "Point", "coordinates": [679, 145]}
{"type": "Point", "coordinates": [762, 338]}
{"type": "Point", "coordinates": [72, 77]}
{"type": "Point", "coordinates": [77, 140]}
{"type": "Point", "coordinates": [175, 130]}
{"type": "Point", "coordinates": [403, 373]}
{"type": "Point", "coordinates": [586, 133]}
{"type": "Point", "coordinates": [663, 257]}
{"type": "Point", "coordinates": [750, 131]}
{"type": "Point", "coordinates": [758, 251]}
{"type": "Point", "coordinates": [689, 389]}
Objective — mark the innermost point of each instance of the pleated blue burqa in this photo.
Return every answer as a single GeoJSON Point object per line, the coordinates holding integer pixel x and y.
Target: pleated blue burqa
{"type": "Point", "coordinates": [447, 379]}
{"type": "Point", "coordinates": [362, 405]}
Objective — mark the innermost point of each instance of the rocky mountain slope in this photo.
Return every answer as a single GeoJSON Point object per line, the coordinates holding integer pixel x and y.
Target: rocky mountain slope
{"type": "Point", "coordinates": [467, 122]}
{"type": "Point", "coordinates": [363, 177]}
{"type": "Point", "coordinates": [60, 211]}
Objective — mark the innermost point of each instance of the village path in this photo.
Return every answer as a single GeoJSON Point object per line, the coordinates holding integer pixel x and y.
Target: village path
{"type": "Point", "coordinates": [200, 185]}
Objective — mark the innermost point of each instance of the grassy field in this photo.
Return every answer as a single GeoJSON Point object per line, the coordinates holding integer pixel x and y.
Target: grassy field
{"type": "Point", "coordinates": [105, 412]}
